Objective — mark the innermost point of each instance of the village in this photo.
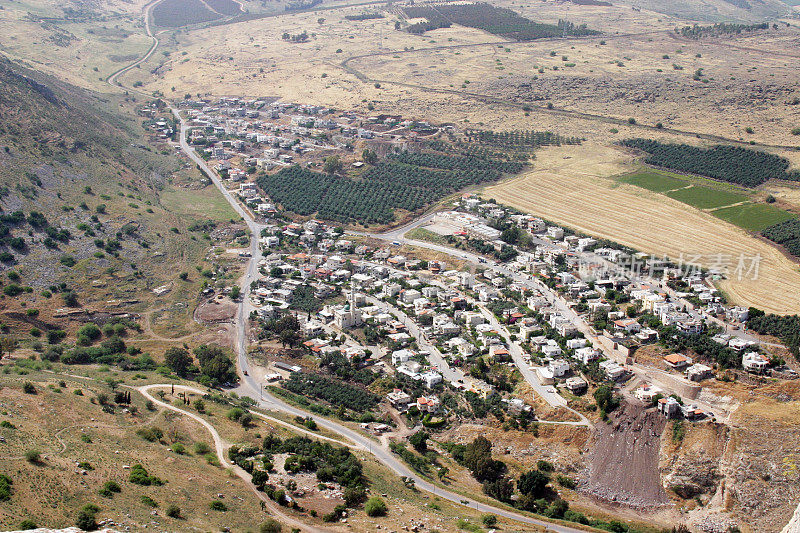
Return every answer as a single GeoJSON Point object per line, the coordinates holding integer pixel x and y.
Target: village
{"type": "Point", "coordinates": [240, 136]}
{"type": "Point", "coordinates": [566, 317]}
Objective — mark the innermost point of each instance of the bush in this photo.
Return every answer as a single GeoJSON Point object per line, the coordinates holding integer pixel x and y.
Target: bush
{"type": "Point", "coordinates": [148, 501]}
{"type": "Point", "coordinates": [33, 456]}
{"type": "Point", "coordinates": [201, 448]}
{"type": "Point", "coordinates": [544, 466]}
{"type": "Point", "coordinates": [375, 506]}
{"type": "Point", "coordinates": [235, 414]}
{"type": "Point", "coordinates": [217, 505]}
{"type": "Point", "coordinates": [86, 519]}
{"type": "Point", "coordinates": [28, 388]}
{"type": "Point", "coordinates": [27, 524]}
{"type": "Point", "coordinates": [109, 488]}
{"type": "Point", "coordinates": [139, 476]}
{"type": "Point", "coordinates": [178, 448]}
{"type": "Point", "coordinates": [150, 434]}
{"type": "Point", "coordinates": [489, 520]}
{"type": "Point", "coordinates": [271, 526]}
{"type": "Point", "coordinates": [566, 482]}
{"type": "Point", "coordinates": [5, 488]}
{"type": "Point", "coordinates": [173, 511]}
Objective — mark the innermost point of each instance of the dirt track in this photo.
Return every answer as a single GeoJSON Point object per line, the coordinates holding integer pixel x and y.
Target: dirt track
{"type": "Point", "coordinates": [624, 461]}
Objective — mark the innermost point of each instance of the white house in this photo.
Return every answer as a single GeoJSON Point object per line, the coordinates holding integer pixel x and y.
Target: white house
{"type": "Point", "coordinates": [559, 368]}
{"type": "Point", "coordinates": [755, 362]}
{"type": "Point", "coordinates": [431, 379]}
{"type": "Point", "coordinates": [401, 356]}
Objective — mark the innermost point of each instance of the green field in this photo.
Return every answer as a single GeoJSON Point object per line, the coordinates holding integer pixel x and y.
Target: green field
{"type": "Point", "coordinates": [752, 217]}
{"type": "Point", "coordinates": [705, 197]}
{"type": "Point", "coordinates": [197, 205]}
{"type": "Point", "coordinates": [653, 181]}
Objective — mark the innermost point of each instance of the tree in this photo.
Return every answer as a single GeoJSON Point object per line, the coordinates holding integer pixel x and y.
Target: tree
{"type": "Point", "coordinates": [533, 483]}
{"type": "Point", "coordinates": [332, 164]}
{"type": "Point", "coordinates": [235, 292]}
{"type": "Point", "coordinates": [375, 506]}
{"type": "Point", "coordinates": [501, 488]}
{"type": "Point", "coordinates": [604, 396]}
{"type": "Point", "coordinates": [215, 364]}
{"type": "Point", "coordinates": [476, 451]}
{"type": "Point", "coordinates": [178, 359]}
{"type": "Point", "coordinates": [289, 337]}
{"type": "Point", "coordinates": [369, 156]}
{"type": "Point", "coordinates": [419, 441]}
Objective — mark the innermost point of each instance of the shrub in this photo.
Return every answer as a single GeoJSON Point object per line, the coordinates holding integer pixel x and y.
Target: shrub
{"type": "Point", "coordinates": [28, 388]}
{"type": "Point", "coordinates": [271, 526]}
{"type": "Point", "coordinates": [178, 448]}
{"type": "Point", "coordinates": [489, 520]}
{"type": "Point", "coordinates": [566, 482]}
{"type": "Point", "coordinates": [27, 524]}
{"type": "Point", "coordinates": [235, 414]}
{"type": "Point", "coordinates": [150, 434]}
{"type": "Point", "coordinates": [86, 518]}
{"type": "Point", "coordinates": [33, 456]}
{"type": "Point", "coordinates": [173, 511]}
{"type": "Point", "coordinates": [8, 425]}
{"type": "Point", "coordinates": [139, 476]}
{"type": "Point", "coordinates": [109, 488]}
{"type": "Point", "coordinates": [5, 487]}
{"type": "Point", "coordinates": [375, 506]}
{"type": "Point", "coordinates": [12, 289]}
{"type": "Point", "coordinates": [201, 448]}
{"type": "Point", "coordinates": [217, 505]}
{"type": "Point", "coordinates": [148, 501]}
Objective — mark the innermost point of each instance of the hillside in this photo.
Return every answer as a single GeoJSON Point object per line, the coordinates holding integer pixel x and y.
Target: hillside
{"type": "Point", "coordinates": [96, 213]}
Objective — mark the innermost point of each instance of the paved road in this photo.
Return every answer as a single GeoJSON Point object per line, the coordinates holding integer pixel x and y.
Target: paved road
{"type": "Point", "coordinates": [248, 386]}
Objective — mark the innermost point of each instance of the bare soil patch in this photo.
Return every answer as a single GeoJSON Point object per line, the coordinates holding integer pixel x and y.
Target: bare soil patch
{"type": "Point", "coordinates": [624, 460]}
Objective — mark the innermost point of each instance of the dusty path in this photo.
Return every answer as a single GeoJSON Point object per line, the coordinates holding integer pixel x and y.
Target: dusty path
{"type": "Point", "coordinates": [221, 448]}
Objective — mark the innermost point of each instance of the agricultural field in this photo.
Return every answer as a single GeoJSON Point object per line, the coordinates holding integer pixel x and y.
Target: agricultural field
{"type": "Point", "coordinates": [734, 164]}
{"type": "Point", "coordinates": [406, 181]}
{"type": "Point", "coordinates": [706, 197]}
{"type": "Point", "coordinates": [654, 181]}
{"type": "Point", "coordinates": [752, 217]}
{"type": "Point", "coordinates": [596, 204]}
{"type": "Point", "coordinates": [498, 21]}
{"type": "Point", "coordinates": [787, 234]}
{"type": "Point", "coordinates": [175, 13]}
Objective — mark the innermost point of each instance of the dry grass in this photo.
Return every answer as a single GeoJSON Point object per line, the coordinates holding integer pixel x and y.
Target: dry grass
{"type": "Point", "coordinates": [52, 492]}
{"type": "Point", "coordinates": [571, 186]}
